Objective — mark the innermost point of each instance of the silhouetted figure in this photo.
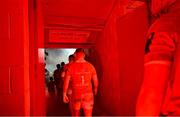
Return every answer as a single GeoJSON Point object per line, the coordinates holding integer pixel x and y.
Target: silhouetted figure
{"type": "Point", "coordinates": [47, 76]}
{"type": "Point", "coordinates": [80, 73]}
{"type": "Point", "coordinates": [62, 64]}
{"type": "Point", "coordinates": [57, 78]}
{"type": "Point", "coordinates": [61, 80]}
{"type": "Point", "coordinates": [51, 86]}
{"type": "Point", "coordinates": [62, 71]}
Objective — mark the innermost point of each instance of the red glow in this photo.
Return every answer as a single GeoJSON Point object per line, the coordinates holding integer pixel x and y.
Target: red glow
{"type": "Point", "coordinates": [114, 32]}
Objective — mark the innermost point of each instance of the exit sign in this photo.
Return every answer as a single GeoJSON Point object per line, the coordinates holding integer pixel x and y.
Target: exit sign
{"type": "Point", "coordinates": [68, 36]}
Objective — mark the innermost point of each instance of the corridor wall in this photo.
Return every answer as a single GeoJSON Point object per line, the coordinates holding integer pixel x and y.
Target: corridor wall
{"type": "Point", "coordinates": [120, 51]}
{"type": "Point", "coordinates": [14, 60]}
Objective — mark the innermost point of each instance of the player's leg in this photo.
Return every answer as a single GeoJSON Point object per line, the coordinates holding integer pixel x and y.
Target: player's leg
{"type": "Point", "coordinates": [76, 113]}
{"type": "Point", "coordinates": [75, 108]}
{"type": "Point", "coordinates": [71, 105]}
{"type": "Point", "coordinates": [87, 112]}
{"type": "Point", "coordinates": [87, 104]}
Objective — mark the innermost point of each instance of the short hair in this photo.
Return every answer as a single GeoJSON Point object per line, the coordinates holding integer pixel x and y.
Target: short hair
{"type": "Point", "coordinates": [79, 50]}
{"type": "Point", "coordinates": [51, 78]}
{"type": "Point", "coordinates": [62, 63]}
{"type": "Point", "coordinates": [71, 56]}
{"type": "Point", "coordinates": [58, 65]}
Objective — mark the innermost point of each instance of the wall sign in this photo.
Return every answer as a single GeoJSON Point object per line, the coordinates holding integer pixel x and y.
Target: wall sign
{"type": "Point", "coordinates": [68, 36]}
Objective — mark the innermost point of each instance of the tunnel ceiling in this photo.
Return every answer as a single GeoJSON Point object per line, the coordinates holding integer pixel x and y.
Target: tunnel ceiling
{"type": "Point", "coordinates": [87, 13]}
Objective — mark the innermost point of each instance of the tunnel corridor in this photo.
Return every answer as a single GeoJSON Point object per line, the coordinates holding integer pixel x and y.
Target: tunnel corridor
{"type": "Point", "coordinates": [111, 48]}
{"type": "Point", "coordinates": [110, 29]}
{"type": "Point", "coordinates": [114, 35]}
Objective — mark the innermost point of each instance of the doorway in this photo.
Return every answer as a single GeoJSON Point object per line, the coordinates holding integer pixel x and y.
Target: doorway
{"type": "Point", "coordinates": [54, 57]}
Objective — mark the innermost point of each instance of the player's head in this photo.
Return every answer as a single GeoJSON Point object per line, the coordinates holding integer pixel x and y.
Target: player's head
{"type": "Point", "coordinates": [71, 58]}
{"type": "Point", "coordinates": [51, 78]}
{"type": "Point", "coordinates": [62, 64]}
{"type": "Point", "coordinates": [79, 53]}
{"type": "Point", "coordinates": [58, 66]}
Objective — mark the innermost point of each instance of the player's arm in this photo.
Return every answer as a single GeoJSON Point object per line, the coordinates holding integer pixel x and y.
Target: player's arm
{"type": "Point", "coordinates": [157, 68]}
{"type": "Point", "coordinates": [65, 88]}
{"type": "Point", "coordinates": [95, 80]}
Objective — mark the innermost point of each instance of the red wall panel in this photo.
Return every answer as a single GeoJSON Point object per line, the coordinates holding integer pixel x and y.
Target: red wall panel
{"type": "Point", "coordinates": [121, 51]}
{"type": "Point", "coordinates": [131, 30]}
{"type": "Point", "coordinates": [13, 62]}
